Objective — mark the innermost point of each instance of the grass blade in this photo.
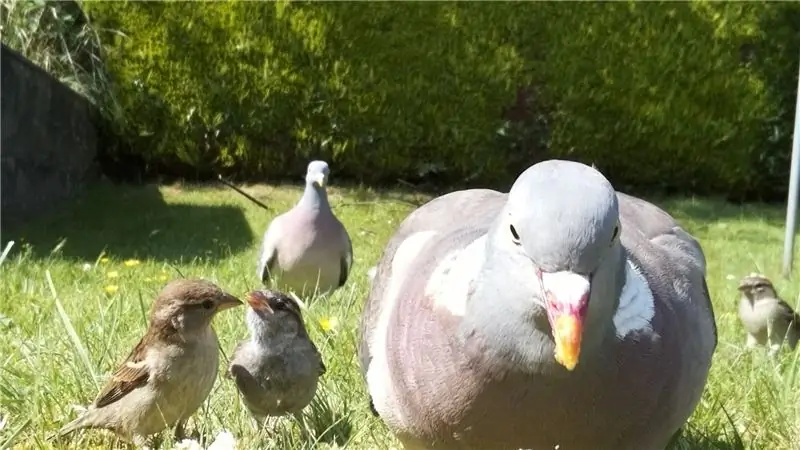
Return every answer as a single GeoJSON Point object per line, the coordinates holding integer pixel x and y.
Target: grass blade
{"type": "Point", "coordinates": [6, 251]}
{"type": "Point", "coordinates": [73, 336]}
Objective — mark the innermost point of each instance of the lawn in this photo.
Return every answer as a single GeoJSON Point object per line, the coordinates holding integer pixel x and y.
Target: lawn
{"type": "Point", "coordinates": [110, 252]}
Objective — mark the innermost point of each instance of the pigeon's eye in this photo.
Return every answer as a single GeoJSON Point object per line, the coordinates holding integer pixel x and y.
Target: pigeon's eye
{"type": "Point", "coordinates": [615, 234]}
{"type": "Point", "coordinates": [514, 235]}
{"type": "Point", "coordinates": [207, 304]}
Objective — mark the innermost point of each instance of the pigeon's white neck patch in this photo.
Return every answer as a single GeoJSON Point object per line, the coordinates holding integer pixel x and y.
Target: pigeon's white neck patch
{"type": "Point", "coordinates": [449, 283]}
{"type": "Point", "coordinates": [636, 304]}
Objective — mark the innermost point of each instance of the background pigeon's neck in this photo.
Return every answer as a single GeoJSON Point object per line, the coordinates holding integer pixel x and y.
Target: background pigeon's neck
{"type": "Point", "coordinates": [314, 197]}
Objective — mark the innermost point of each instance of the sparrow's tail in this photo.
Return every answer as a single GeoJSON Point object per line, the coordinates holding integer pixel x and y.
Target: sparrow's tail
{"type": "Point", "coordinates": [81, 422]}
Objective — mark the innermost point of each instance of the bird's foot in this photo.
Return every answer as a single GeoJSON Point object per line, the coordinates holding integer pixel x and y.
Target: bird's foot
{"type": "Point", "coordinates": [773, 349]}
{"type": "Point", "coordinates": [751, 341]}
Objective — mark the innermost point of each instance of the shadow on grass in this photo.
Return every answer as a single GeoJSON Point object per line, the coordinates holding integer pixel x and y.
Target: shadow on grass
{"type": "Point", "coordinates": [127, 221]}
{"type": "Point", "coordinates": [693, 440]}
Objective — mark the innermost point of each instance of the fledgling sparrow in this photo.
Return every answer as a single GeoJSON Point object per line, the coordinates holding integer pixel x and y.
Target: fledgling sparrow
{"type": "Point", "coordinates": [767, 319]}
{"type": "Point", "coordinates": [278, 368]}
{"type": "Point", "coordinates": [169, 373]}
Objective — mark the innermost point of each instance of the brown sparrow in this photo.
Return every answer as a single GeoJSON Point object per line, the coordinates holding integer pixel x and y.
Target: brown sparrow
{"type": "Point", "coordinates": [767, 319]}
{"type": "Point", "coordinates": [278, 368]}
{"type": "Point", "coordinates": [169, 373]}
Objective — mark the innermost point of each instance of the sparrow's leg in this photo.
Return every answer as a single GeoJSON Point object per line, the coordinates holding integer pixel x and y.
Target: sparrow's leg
{"type": "Point", "coordinates": [752, 341]}
{"type": "Point", "coordinates": [301, 420]}
{"type": "Point", "coordinates": [255, 423]}
{"type": "Point", "coordinates": [774, 340]}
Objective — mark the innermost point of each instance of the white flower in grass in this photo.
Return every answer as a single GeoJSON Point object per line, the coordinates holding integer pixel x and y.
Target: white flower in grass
{"type": "Point", "coordinates": [223, 441]}
{"type": "Point", "coordinates": [188, 444]}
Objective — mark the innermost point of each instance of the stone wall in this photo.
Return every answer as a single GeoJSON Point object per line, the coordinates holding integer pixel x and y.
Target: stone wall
{"type": "Point", "coordinates": [49, 140]}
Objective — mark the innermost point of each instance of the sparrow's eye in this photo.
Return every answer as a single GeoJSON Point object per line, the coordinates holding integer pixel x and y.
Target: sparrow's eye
{"type": "Point", "coordinates": [207, 304]}
{"type": "Point", "coordinates": [280, 304]}
{"type": "Point", "coordinates": [514, 235]}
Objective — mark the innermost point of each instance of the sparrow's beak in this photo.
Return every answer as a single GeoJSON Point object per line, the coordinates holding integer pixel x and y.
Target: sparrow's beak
{"type": "Point", "coordinates": [228, 301]}
{"type": "Point", "coordinates": [258, 301]}
{"type": "Point", "coordinates": [320, 179]}
{"type": "Point", "coordinates": [567, 298]}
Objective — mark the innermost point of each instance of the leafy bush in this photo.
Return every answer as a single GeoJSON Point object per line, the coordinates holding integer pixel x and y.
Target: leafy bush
{"type": "Point", "coordinates": [257, 88]}
{"type": "Point", "coordinates": [57, 37]}
{"type": "Point", "coordinates": [657, 95]}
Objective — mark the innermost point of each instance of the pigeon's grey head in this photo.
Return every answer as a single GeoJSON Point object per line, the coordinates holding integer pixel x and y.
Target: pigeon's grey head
{"type": "Point", "coordinates": [317, 173]}
{"type": "Point", "coordinates": [561, 223]}
{"type": "Point", "coordinates": [755, 287]}
{"type": "Point", "coordinates": [272, 313]}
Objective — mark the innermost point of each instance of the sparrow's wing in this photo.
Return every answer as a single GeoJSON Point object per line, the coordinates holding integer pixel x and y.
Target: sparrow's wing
{"type": "Point", "coordinates": [786, 311]}
{"type": "Point", "coordinates": [245, 381]}
{"type": "Point", "coordinates": [132, 374]}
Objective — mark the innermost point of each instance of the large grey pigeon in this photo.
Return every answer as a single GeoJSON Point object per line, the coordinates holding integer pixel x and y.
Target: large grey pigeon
{"type": "Point", "coordinates": [307, 248]}
{"type": "Point", "coordinates": [767, 319]}
{"type": "Point", "coordinates": [560, 315]}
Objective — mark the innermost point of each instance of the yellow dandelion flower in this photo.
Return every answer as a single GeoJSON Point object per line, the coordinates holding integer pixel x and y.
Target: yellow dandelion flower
{"type": "Point", "coordinates": [131, 262]}
{"type": "Point", "coordinates": [329, 324]}
{"type": "Point", "coordinates": [162, 278]}
{"type": "Point", "coordinates": [112, 274]}
{"type": "Point", "coordinates": [111, 288]}
{"type": "Point", "coordinates": [104, 260]}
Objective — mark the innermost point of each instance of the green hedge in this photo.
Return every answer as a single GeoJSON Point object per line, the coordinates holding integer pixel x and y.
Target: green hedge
{"type": "Point", "coordinates": [673, 95]}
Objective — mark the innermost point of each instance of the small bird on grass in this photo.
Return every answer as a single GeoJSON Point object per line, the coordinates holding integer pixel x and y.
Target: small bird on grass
{"type": "Point", "coordinates": [767, 319]}
{"type": "Point", "coordinates": [307, 249]}
{"type": "Point", "coordinates": [278, 368]}
{"type": "Point", "coordinates": [169, 373]}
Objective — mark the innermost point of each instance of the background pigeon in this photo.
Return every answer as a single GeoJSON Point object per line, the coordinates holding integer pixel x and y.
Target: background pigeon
{"type": "Point", "coordinates": [307, 248]}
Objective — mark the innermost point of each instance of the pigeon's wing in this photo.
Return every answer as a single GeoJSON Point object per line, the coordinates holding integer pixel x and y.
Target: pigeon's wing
{"type": "Point", "coordinates": [322, 369]}
{"type": "Point", "coordinates": [473, 208]}
{"type": "Point", "coordinates": [268, 253]}
{"type": "Point", "coordinates": [346, 261]}
{"type": "Point", "coordinates": [132, 374]}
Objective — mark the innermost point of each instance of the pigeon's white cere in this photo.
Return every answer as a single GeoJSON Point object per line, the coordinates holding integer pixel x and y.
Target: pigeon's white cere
{"type": "Point", "coordinates": [449, 282]}
{"type": "Point", "coordinates": [567, 287]}
{"type": "Point", "coordinates": [636, 304]}
{"type": "Point", "coordinates": [379, 381]}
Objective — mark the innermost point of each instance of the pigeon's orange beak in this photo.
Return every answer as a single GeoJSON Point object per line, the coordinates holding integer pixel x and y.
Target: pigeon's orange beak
{"type": "Point", "coordinates": [567, 298]}
{"type": "Point", "coordinates": [258, 301]}
{"type": "Point", "coordinates": [320, 179]}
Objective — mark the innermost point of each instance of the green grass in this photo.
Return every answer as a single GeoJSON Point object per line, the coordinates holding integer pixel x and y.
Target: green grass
{"type": "Point", "coordinates": [751, 401]}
